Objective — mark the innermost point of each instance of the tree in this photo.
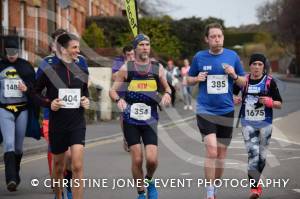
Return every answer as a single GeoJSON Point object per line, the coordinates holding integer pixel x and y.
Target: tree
{"type": "Point", "coordinates": [94, 36]}
{"type": "Point", "coordinates": [286, 15]}
{"type": "Point", "coordinates": [269, 11]}
{"type": "Point", "coordinates": [152, 8]}
{"type": "Point", "coordinates": [190, 32]}
{"type": "Point", "coordinates": [289, 26]}
{"type": "Point", "coordinates": [159, 29]}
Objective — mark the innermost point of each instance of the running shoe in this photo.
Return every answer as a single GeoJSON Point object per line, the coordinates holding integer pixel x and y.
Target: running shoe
{"type": "Point", "coordinates": [210, 192]}
{"type": "Point", "coordinates": [69, 194]}
{"type": "Point", "coordinates": [141, 196]}
{"type": "Point", "coordinates": [12, 186]}
{"type": "Point", "coordinates": [151, 190]}
{"type": "Point", "coordinates": [255, 192]}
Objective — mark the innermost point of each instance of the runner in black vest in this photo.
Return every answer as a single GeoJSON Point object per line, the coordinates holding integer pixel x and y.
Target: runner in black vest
{"type": "Point", "coordinates": [66, 96]}
{"type": "Point", "coordinates": [139, 106]}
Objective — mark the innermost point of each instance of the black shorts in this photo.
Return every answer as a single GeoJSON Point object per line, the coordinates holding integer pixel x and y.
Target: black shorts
{"type": "Point", "coordinates": [60, 141]}
{"type": "Point", "coordinates": [134, 133]}
{"type": "Point", "coordinates": [221, 125]}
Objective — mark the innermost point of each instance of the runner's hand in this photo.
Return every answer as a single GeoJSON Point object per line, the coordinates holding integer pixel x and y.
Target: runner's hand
{"type": "Point", "coordinates": [56, 104]}
{"type": "Point", "coordinates": [166, 99]}
{"type": "Point", "coordinates": [85, 102]}
{"type": "Point", "coordinates": [122, 105]}
{"type": "Point", "coordinates": [229, 70]}
{"type": "Point", "coordinates": [201, 77]}
{"type": "Point", "coordinates": [22, 87]}
{"type": "Point", "coordinates": [237, 100]}
{"type": "Point", "coordinates": [267, 101]}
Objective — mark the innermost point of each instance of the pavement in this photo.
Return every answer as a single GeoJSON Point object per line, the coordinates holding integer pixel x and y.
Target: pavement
{"type": "Point", "coordinates": [287, 78]}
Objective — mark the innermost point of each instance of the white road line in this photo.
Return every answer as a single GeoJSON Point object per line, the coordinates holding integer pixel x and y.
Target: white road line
{"type": "Point", "coordinates": [236, 141]}
{"type": "Point", "coordinates": [231, 163]}
{"type": "Point", "coordinates": [285, 140]}
{"type": "Point", "coordinates": [277, 119]}
{"type": "Point", "coordinates": [296, 190]}
{"type": "Point", "coordinates": [274, 148]}
{"type": "Point", "coordinates": [185, 174]}
{"type": "Point", "coordinates": [291, 158]}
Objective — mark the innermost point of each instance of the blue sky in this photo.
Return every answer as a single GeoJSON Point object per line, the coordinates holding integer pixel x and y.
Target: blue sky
{"type": "Point", "coordinates": [233, 12]}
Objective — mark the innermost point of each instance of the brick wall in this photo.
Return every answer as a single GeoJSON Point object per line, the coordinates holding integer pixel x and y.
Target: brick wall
{"type": "Point", "coordinates": [78, 11]}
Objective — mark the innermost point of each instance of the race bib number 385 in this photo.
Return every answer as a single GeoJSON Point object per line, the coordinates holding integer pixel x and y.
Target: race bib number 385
{"type": "Point", "coordinates": [140, 111]}
{"type": "Point", "coordinates": [70, 97]}
{"type": "Point", "coordinates": [217, 84]}
{"type": "Point", "coordinates": [11, 88]}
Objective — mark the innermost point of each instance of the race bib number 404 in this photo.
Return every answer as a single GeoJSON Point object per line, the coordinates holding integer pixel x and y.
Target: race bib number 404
{"type": "Point", "coordinates": [11, 88]}
{"type": "Point", "coordinates": [217, 84]}
{"type": "Point", "coordinates": [70, 97]}
{"type": "Point", "coordinates": [140, 111]}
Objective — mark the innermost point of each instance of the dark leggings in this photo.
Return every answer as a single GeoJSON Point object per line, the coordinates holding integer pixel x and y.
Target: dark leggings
{"type": "Point", "coordinates": [256, 141]}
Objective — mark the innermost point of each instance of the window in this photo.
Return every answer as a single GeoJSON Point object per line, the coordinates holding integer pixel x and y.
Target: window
{"type": "Point", "coordinates": [36, 25]}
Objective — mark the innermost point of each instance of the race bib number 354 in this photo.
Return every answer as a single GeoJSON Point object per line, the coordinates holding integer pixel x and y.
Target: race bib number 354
{"type": "Point", "coordinates": [70, 97]}
{"type": "Point", "coordinates": [140, 111]}
{"type": "Point", "coordinates": [217, 84]}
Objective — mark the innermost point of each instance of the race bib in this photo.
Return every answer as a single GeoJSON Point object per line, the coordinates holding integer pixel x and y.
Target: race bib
{"type": "Point", "coordinates": [253, 114]}
{"type": "Point", "coordinates": [11, 88]}
{"type": "Point", "coordinates": [70, 97]}
{"type": "Point", "coordinates": [140, 111]}
{"type": "Point", "coordinates": [217, 84]}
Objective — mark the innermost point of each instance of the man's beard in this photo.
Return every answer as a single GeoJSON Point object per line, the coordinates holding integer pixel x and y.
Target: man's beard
{"type": "Point", "coordinates": [144, 56]}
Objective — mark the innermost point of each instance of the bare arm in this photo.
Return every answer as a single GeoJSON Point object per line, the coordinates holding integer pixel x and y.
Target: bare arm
{"type": "Point", "coordinates": [241, 81]}
{"type": "Point", "coordinates": [114, 76]}
{"type": "Point", "coordinates": [121, 76]}
{"type": "Point", "coordinates": [163, 80]}
{"type": "Point", "coordinates": [199, 78]}
{"type": "Point", "coordinates": [191, 80]}
{"type": "Point", "coordinates": [119, 79]}
{"type": "Point", "coordinates": [277, 104]}
{"type": "Point", "coordinates": [166, 98]}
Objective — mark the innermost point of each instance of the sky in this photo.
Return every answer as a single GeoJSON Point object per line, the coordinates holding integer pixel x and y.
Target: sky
{"type": "Point", "coordinates": [233, 12]}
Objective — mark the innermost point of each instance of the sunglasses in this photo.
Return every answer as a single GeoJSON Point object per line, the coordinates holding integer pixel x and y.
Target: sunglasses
{"type": "Point", "coordinates": [11, 51]}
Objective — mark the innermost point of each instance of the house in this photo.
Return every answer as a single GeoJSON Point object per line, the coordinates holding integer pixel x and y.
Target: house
{"type": "Point", "coordinates": [33, 21]}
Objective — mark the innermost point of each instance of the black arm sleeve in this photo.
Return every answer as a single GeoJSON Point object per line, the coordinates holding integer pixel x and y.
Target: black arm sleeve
{"type": "Point", "coordinates": [85, 90]}
{"type": "Point", "coordinates": [29, 79]}
{"type": "Point", "coordinates": [41, 83]}
{"type": "Point", "coordinates": [274, 91]}
{"type": "Point", "coordinates": [236, 89]}
{"type": "Point", "coordinates": [27, 74]}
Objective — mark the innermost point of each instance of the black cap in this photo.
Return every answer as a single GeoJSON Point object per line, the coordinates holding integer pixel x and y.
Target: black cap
{"type": "Point", "coordinates": [257, 57]}
{"type": "Point", "coordinates": [11, 44]}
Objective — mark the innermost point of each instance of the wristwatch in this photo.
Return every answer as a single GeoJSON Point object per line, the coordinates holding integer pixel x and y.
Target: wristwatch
{"type": "Point", "coordinates": [169, 94]}
{"type": "Point", "coordinates": [118, 99]}
{"type": "Point", "coordinates": [236, 78]}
